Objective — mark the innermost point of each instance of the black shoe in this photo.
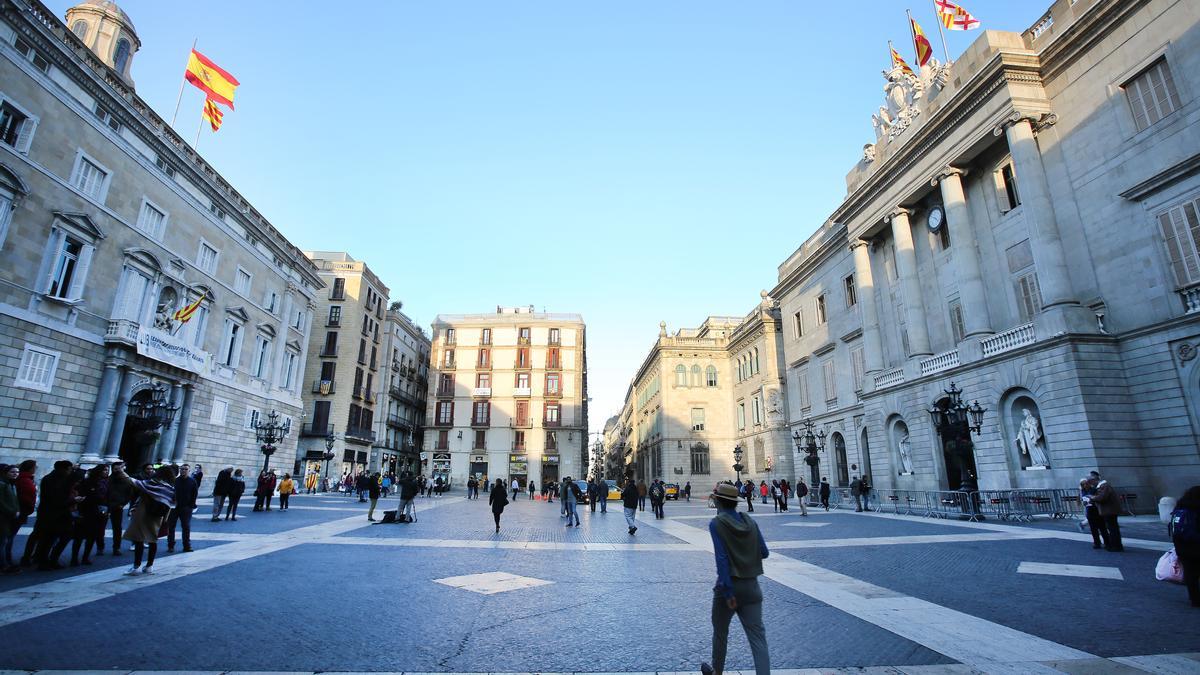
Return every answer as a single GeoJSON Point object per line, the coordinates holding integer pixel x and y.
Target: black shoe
{"type": "Point", "coordinates": [188, 550]}
{"type": "Point", "coordinates": [706, 669]}
{"type": "Point", "coordinates": [1097, 546]}
{"type": "Point", "coordinates": [216, 520]}
{"type": "Point", "coordinates": [170, 549]}
{"type": "Point", "coordinates": [634, 530]}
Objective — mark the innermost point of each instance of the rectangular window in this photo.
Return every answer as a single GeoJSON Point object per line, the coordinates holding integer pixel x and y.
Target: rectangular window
{"type": "Point", "coordinates": [958, 328]}
{"type": "Point", "coordinates": [328, 370]}
{"type": "Point", "coordinates": [262, 357]}
{"type": "Point", "coordinates": [69, 269]}
{"type": "Point", "coordinates": [523, 335]}
{"type": "Point", "coordinates": [164, 166]}
{"type": "Point", "coordinates": [552, 440]}
{"type": "Point", "coordinates": [798, 324]}
{"type": "Point", "coordinates": [339, 289]}
{"type": "Point", "coordinates": [523, 357]}
{"type": "Point", "coordinates": [445, 413]}
{"type": "Point", "coordinates": [1152, 94]}
{"type": "Point", "coordinates": [485, 336]}
{"type": "Point", "coordinates": [335, 316]}
{"type": "Point", "coordinates": [220, 409]}
{"type": "Point", "coordinates": [451, 336]}
{"type": "Point", "coordinates": [252, 418]}
{"type": "Point", "coordinates": [199, 323]}
{"type": "Point", "coordinates": [700, 460]}
{"type": "Point", "coordinates": [1180, 228]}
{"type": "Point", "coordinates": [521, 415]}
{"type": "Point", "coordinates": [518, 440]}
{"type": "Point", "coordinates": [445, 385]}
{"type": "Point", "coordinates": [443, 440]}
{"type": "Point", "coordinates": [362, 352]}
{"type": "Point", "coordinates": [271, 302]}
{"type": "Point", "coordinates": [522, 380]}
{"type": "Point", "coordinates": [16, 127]}
{"type": "Point", "coordinates": [553, 414]}
{"type": "Point", "coordinates": [1009, 197]}
{"type": "Point", "coordinates": [290, 359]}
{"type": "Point", "coordinates": [859, 364]}
{"type": "Point", "coordinates": [830, 374]}
{"type": "Point", "coordinates": [242, 281]}
{"type": "Point", "coordinates": [480, 439]}
{"type": "Point", "coordinates": [552, 358]}
{"type": "Point", "coordinates": [697, 419]}
{"type": "Point", "coordinates": [134, 295]}
{"type": "Point", "coordinates": [741, 415]}
{"type": "Point", "coordinates": [330, 348]}
{"type": "Point", "coordinates": [90, 178]}
{"type": "Point", "coordinates": [448, 358]}
{"type": "Point", "coordinates": [483, 380]}
{"type": "Point", "coordinates": [821, 318]}
{"type": "Point", "coordinates": [206, 259]}
{"type": "Point", "coordinates": [756, 407]}
{"type": "Point", "coordinates": [802, 389]}
{"type": "Point", "coordinates": [553, 383]}
{"type": "Point", "coordinates": [232, 347]}
{"type": "Point", "coordinates": [37, 368]}
{"type": "Point", "coordinates": [1025, 282]}
{"type": "Point", "coordinates": [482, 412]}
{"type": "Point", "coordinates": [554, 336]}
{"type": "Point", "coordinates": [485, 358]}
{"type": "Point", "coordinates": [851, 295]}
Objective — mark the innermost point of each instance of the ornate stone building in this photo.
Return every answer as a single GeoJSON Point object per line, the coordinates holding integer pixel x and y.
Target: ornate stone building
{"type": "Point", "coordinates": [400, 426]}
{"type": "Point", "coordinates": [507, 397]}
{"type": "Point", "coordinates": [1025, 227]}
{"type": "Point", "coordinates": [109, 224]}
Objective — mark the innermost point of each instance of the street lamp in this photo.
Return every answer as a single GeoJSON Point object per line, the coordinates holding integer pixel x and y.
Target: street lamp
{"type": "Point", "coordinates": [269, 433]}
{"type": "Point", "coordinates": [811, 444]}
{"type": "Point", "coordinates": [737, 460]}
{"type": "Point", "coordinates": [955, 421]}
{"type": "Point", "coordinates": [153, 412]}
{"type": "Point", "coordinates": [330, 439]}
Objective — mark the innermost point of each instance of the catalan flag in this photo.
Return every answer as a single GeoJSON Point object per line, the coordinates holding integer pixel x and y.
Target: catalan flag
{"type": "Point", "coordinates": [212, 113]}
{"type": "Point", "coordinates": [210, 78]}
{"type": "Point", "coordinates": [954, 17]}
{"type": "Point", "coordinates": [184, 313]}
{"type": "Point", "coordinates": [899, 62]}
{"type": "Point", "coordinates": [920, 43]}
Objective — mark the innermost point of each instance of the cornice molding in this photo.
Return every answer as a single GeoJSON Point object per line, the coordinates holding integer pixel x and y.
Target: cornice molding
{"type": "Point", "coordinates": [1163, 179]}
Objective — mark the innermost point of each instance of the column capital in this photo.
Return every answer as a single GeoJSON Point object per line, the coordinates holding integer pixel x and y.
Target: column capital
{"type": "Point", "coordinates": [857, 243]}
{"type": "Point", "coordinates": [897, 212]}
{"type": "Point", "coordinates": [946, 172]}
{"type": "Point", "coordinates": [1037, 121]}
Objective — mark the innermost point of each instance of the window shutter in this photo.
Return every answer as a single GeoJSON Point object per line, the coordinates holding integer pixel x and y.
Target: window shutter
{"type": "Point", "coordinates": [25, 135]}
{"type": "Point", "coordinates": [1029, 296]}
{"type": "Point", "coordinates": [1136, 104]}
{"type": "Point", "coordinates": [1175, 252]}
{"type": "Point", "coordinates": [81, 270]}
{"type": "Point", "coordinates": [859, 365]}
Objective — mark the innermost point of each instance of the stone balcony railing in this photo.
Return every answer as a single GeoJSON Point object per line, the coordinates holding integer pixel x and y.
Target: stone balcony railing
{"type": "Point", "coordinates": [482, 392]}
{"type": "Point", "coordinates": [123, 331]}
{"type": "Point", "coordinates": [939, 362]}
{"type": "Point", "coordinates": [1191, 298]}
{"type": "Point", "coordinates": [889, 378]}
{"type": "Point", "coordinates": [1010, 339]}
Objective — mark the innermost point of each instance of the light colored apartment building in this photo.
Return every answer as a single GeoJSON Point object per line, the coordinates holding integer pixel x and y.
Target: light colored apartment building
{"type": "Point", "coordinates": [507, 397]}
{"type": "Point", "coordinates": [346, 362]}
{"type": "Point", "coordinates": [109, 224]}
{"type": "Point", "coordinates": [1024, 228]}
{"type": "Point", "coordinates": [400, 425]}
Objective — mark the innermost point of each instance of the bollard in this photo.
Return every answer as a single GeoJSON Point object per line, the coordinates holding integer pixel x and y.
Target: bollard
{"type": "Point", "coordinates": [1165, 506]}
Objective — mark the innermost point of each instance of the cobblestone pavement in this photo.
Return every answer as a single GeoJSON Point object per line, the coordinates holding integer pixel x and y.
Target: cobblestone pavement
{"type": "Point", "coordinates": [318, 588]}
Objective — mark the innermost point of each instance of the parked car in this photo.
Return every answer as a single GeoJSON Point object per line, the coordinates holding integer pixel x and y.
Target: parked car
{"type": "Point", "coordinates": [672, 491]}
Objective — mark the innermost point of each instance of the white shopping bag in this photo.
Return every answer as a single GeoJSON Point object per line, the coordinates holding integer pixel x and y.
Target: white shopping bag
{"type": "Point", "coordinates": [1168, 568]}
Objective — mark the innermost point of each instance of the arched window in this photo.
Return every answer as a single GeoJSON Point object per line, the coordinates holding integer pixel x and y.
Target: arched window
{"type": "Point", "coordinates": [696, 376]}
{"type": "Point", "coordinates": [680, 376]}
{"type": "Point", "coordinates": [121, 56]}
{"type": "Point", "coordinates": [711, 376]}
{"type": "Point", "coordinates": [80, 29]}
{"type": "Point", "coordinates": [757, 368]}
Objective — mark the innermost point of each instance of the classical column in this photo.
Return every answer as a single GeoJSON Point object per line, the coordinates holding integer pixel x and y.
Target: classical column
{"type": "Point", "coordinates": [872, 344]}
{"type": "Point", "coordinates": [965, 252]}
{"type": "Point", "coordinates": [165, 448]}
{"type": "Point", "coordinates": [117, 430]}
{"type": "Point", "coordinates": [102, 415]}
{"type": "Point", "coordinates": [906, 264]}
{"type": "Point", "coordinates": [183, 419]}
{"type": "Point", "coordinates": [281, 346]}
{"type": "Point", "coordinates": [1048, 254]}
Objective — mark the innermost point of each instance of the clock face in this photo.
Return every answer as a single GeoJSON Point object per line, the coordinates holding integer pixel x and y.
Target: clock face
{"type": "Point", "coordinates": [935, 219]}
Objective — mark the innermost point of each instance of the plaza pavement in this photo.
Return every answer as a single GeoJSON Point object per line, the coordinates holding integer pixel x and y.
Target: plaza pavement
{"type": "Point", "coordinates": [318, 588]}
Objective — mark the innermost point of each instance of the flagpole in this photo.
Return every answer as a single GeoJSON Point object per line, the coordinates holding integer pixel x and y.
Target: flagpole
{"type": "Point", "coordinates": [913, 36]}
{"type": "Point", "coordinates": [196, 145]}
{"type": "Point", "coordinates": [941, 33]}
{"type": "Point", "coordinates": [182, 82]}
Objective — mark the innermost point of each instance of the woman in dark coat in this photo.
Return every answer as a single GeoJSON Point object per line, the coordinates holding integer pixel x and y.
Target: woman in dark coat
{"type": "Point", "coordinates": [93, 514]}
{"type": "Point", "coordinates": [237, 486]}
{"type": "Point", "coordinates": [156, 498]}
{"type": "Point", "coordinates": [498, 499]}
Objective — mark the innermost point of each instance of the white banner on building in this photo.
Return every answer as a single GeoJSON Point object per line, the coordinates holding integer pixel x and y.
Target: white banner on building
{"type": "Point", "coordinates": [160, 346]}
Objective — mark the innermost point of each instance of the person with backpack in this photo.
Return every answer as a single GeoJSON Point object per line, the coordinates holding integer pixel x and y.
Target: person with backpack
{"type": "Point", "coordinates": [658, 495]}
{"type": "Point", "coordinates": [156, 498]}
{"type": "Point", "coordinates": [865, 489]}
{"type": "Point", "coordinates": [498, 499]}
{"type": "Point", "coordinates": [856, 492]}
{"type": "Point", "coordinates": [802, 496]}
{"type": "Point", "coordinates": [747, 490]}
{"type": "Point", "coordinates": [237, 486]}
{"type": "Point", "coordinates": [1185, 534]}
{"type": "Point", "coordinates": [220, 491]}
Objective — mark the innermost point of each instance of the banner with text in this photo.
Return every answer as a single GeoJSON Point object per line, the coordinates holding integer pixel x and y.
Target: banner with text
{"type": "Point", "coordinates": [169, 349]}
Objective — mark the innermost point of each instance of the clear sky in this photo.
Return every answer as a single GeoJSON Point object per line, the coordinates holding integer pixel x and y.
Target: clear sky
{"type": "Point", "coordinates": [632, 161]}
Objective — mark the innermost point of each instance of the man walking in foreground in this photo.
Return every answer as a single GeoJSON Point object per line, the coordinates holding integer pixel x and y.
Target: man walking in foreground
{"type": "Point", "coordinates": [739, 549]}
{"type": "Point", "coordinates": [629, 499]}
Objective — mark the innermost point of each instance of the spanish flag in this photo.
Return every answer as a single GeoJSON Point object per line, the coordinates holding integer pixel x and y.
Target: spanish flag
{"type": "Point", "coordinates": [210, 78]}
{"type": "Point", "coordinates": [898, 61]}
{"type": "Point", "coordinates": [184, 313]}
{"type": "Point", "coordinates": [212, 113]}
{"type": "Point", "coordinates": [920, 43]}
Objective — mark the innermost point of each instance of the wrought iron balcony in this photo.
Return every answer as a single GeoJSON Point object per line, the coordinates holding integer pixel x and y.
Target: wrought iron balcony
{"type": "Point", "coordinates": [323, 387]}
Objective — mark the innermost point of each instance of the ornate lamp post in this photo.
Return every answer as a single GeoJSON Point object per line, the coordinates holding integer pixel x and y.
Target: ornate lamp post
{"type": "Point", "coordinates": [955, 421]}
{"type": "Point", "coordinates": [153, 413]}
{"type": "Point", "coordinates": [330, 439]}
{"type": "Point", "coordinates": [269, 433]}
{"type": "Point", "coordinates": [810, 444]}
{"type": "Point", "coordinates": [737, 460]}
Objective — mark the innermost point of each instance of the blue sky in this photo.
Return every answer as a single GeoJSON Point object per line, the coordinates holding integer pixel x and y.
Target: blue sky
{"type": "Point", "coordinates": [632, 161]}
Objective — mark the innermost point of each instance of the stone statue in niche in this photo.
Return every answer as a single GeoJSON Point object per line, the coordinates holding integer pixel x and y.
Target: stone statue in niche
{"type": "Point", "coordinates": [164, 314]}
{"type": "Point", "coordinates": [1031, 441]}
{"type": "Point", "coordinates": [905, 448]}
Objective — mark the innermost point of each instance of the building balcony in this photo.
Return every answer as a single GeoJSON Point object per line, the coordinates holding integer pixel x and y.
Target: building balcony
{"type": "Point", "coordinates": [447, 366]}
{"type": "Point", "coordinates": [522, 392]}
{"type": "Point", "coordinates": [444, 392]}
{"type": "Point", "coordinates": [323, 387]}
{"type": "Point", "coordinates": [1012, 339]}
{"type": "Point", "coordinates": [521, 424]}
{"type": "Point", "coordinates": [328, 352]}
{"type": "Point", "coordinates": [443, 425]}
{"type": "Point", "coordinates": [481, 392]}
{"type": "Point", "coordinates": [315, 430]}
{"type": "Point", "coordinates": [337, 295]}
{"type": "Point", "coordinates": [357, 392]}
{"type": "Point", "coordinates": [122, 331]}
{"type": "Point", "coordinates": [518, 447]}
{"type": "Point", "coordinates": [483, 366]}
{"type": "Point", "coordinates": [522, 340]}
{"type": "Point", "coordinates": [553, 364]}
{"type": "Point", "coordinates": [333, 323]}
{"type": "Point", "coordinates": [939, 362]}
{"type": "Point", "coordinates": [481, 424]}
{"type": "Point", "coordinates": [552, 424]}
{"type": "Point", "coordinates": [889, 378]}
{"type": "Point", "coordinates": [557, 393]}
{"type": "Point", "coordinates": [360, 435]}
{"type": "Point", "coordinates": [368, 396]}
{"type": "Point", "coordinates": [398, 422]}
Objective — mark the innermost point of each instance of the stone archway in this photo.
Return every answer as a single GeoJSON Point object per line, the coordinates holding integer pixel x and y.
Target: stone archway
{"type": "Point", "coordinates": [958, 453]}
{"type": "Point", "coordinates": [838, 443]}
{"type": "Point", "coordinates": [864, 451]}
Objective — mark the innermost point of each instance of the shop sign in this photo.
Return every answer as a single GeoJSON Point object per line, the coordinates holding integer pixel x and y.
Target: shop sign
{"type": "Point", "coordinates": [550, 459]}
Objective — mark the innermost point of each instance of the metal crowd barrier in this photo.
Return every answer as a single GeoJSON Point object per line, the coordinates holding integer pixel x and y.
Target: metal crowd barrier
{"type": "Point", "coordinates": [907, 502]}
{"type": "Point", "coordinates": [1021, 505]}
{"type": "Point", "coordinates": [947, 504]}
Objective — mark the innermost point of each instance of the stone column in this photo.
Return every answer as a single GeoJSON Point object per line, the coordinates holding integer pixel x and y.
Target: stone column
{"type": "Point", "coordinates": [281, 340]}
{"type": "Point", "coordinates": [965, 252]}
{"type": "Point", "coordinates": [906, 264]}
{"type": "Point", "coordinates": [117, 430]}
{"type": "Point", "coordinates": [102, 415]}
{"type": "Point", "coordinates": [183, 420]}
{"type": "Point", "coordinates": [165, 448]}
{"type": "Point", "coordinates": [872, 344]}
{"type": "Point", "coordinates": [1048, 254]}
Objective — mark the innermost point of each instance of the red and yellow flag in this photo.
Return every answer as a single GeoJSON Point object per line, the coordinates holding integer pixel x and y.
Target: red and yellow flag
{"type": "Point", "coordinates": [920, 43]}
{"type": "Point", "coordinates": [898, 61]}
{"type": "Point", "coordinates": [210, 78]}
{"type": "Point", "coordinates": [954, 17]}
{"type": "Point", "coordinates": [212, 113]}
{"type": "Point", "coordinates": [184, 313]}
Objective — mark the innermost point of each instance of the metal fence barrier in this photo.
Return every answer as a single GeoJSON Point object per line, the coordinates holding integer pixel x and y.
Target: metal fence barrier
{"type": "Point", "coordinates": [1022, 505]}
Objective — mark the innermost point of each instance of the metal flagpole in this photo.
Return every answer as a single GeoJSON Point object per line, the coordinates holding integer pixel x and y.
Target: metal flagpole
{"type": "Point", "coordinates": [941, 33]}
{"type": "Point", "coordinates": [912, 35]}
{"type": "Point", "coordinates": [182, 82]}
{"type": "Point", "coordinates": [196, 145]}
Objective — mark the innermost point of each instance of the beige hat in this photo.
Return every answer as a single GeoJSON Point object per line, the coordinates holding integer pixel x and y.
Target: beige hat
{"type": "Point", "coordinates": [726, 491]}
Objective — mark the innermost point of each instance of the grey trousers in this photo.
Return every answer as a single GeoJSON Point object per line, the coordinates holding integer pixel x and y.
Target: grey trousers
{"type": "Point", "coordinates": [749, 612]}
{"type": "Point", "coordinates": [630, 514]}
{"type": "Point", "coordinates": [218, 504]}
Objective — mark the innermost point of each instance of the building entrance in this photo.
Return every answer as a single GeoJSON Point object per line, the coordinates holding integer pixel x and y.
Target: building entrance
{"type": "Point", "coordinates": [138, 438]}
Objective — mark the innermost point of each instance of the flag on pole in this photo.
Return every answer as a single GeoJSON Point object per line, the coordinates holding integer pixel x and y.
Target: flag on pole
{"type": "Point", "coordinates": [210, 78]}
{"type": "Point", "coordinates": [184, 313]}
{"type": "Point", "coordinates": [212, 113]}
{"type": "Point", "coordinates": [954, 17]}
{"type": "Point", "coordinates": [920, 43]}
{"type": "Point", "coordinates": [898, 61]}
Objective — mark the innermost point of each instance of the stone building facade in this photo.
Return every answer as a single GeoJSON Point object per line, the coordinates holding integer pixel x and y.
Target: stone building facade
{"type": "Point", "coordinates": [1025, 227]}
{"type": "Point", "coordinates": [345, 364]}
{"type": "Point", "coordinates": [109, 224]}
{"type": "Point", "coordinates": [507, 397]}
{"type": "Point", "coordinates": [400, 426]}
